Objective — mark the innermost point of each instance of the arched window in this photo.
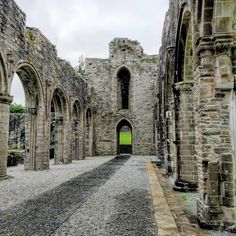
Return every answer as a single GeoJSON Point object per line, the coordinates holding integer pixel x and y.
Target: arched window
{"type": "Point", "coordinates": [123, 88]}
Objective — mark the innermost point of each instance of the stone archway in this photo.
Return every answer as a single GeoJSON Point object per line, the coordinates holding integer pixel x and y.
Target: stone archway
{"type": "Point", "coordinates": [77, 131]}
{"type": "Point", "coordinates": [34, 117]}
{"type": "Point", "coordinates": [186, 163]}
{"type": "Point", "coordinates": [124, 137]}
{"type": "Point", "coordinates": [59, 125]}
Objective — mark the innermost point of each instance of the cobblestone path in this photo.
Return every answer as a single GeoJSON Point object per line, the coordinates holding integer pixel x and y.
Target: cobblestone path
{"type": "Point", "coordinates": [80, 205]}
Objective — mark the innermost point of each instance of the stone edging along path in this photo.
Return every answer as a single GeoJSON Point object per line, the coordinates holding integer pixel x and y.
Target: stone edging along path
{"type": "Point", "coordinates": [170, 218]}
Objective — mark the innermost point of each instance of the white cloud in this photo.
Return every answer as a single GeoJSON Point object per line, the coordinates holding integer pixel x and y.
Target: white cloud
{"type": "Point", "coordinates": [87, 26]}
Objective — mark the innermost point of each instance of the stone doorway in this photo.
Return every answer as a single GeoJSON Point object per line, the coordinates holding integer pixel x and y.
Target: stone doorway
{"type": "Point", "coordinates": [124, 137]}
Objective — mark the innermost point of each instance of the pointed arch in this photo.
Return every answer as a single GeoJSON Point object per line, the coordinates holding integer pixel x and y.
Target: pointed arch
{"type": "Point", "coordinates": [35, 113]}
{"type": "Point", "coordinates": [123, 88]}
{"type": "Point", "coordinates": [59, 128]}
{"type": "Point", "coordinates": [124, 134]}
{"type": "Point", "coordinates": [31, 83]}
{"type": "Point", "coordinates": [77, 131]}
{"type": "Point", "coordinates": [183, 40]}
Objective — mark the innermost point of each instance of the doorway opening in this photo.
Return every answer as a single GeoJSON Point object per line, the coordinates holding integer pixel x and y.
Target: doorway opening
{"type": "Point", "coordinates": [124, 137]}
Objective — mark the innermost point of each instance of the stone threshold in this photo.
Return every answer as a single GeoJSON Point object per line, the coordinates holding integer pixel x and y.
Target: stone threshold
{"type": "Point", "coordinates": [170, 217]}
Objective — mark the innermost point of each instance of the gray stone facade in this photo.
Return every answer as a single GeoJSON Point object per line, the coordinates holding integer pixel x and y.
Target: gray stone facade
{"type": "Point", "coordinates": [196, 104]}
{"type": "Point", "coordinates": [180, 104]}
{"type": "Point", "coordinates": [103, 78]}
{"type": "Point", "coordinates": [51, 87]}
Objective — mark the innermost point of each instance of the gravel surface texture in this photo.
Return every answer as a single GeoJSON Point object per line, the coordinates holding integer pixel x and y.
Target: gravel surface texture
{"type": "Point", "coordinates": [111, 199]}
{"type": "Point", "coordinates": [28, 184]}
{"type": "Point", "coordinates": [121, 207]}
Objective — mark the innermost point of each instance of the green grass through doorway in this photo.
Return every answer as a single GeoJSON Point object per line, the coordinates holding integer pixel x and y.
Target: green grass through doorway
{"type": "Point", "coordinates": [125, 138]}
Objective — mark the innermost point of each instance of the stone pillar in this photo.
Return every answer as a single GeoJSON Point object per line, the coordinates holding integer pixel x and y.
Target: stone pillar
{"type": "Point", "coordinates": [5, 100]}
{"type": "Point", "coordinates": [208, 138]}
{"type": "Point", "coordinates": [82, 137]}
{"type": "Point", "coordinates": [75, 140]}
{"type": "Point", "coordinates": [30, 139]}
{"type": "Point", "coordinates": [186, 172]}
{"type": "Point", "coordinates": [59, 144]}
{"type": "Point", "coordinates": [67, 141]}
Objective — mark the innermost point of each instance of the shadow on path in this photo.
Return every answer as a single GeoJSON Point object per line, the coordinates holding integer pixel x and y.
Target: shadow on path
{"type": "Point", "coordinates": [43, 214]}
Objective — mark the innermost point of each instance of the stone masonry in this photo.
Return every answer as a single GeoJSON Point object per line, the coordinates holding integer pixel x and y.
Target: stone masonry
{"type": "Point", "coordinates": [196, 105]}
{"type": "Point", "coordinates": [16, 131]}
{"type": "Point", "coordinates": [52, 88]}
{"type": "Point", "coordinates": [103, 78]}
{"type": "Point", "coordinates": [180, 104]}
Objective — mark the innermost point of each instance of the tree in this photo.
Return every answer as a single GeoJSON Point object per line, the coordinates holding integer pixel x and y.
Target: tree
{"type": "Point", "coordinates": [17, 108]}
{"type": "Point", "coordinates": [80, 69]}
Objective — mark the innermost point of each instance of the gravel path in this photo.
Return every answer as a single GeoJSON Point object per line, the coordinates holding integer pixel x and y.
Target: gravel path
{"type": "Point", "coordinates": [121, 207]}
{"type": "Point", "coordinates": [112, 199]}
{"type": "Point", "coordinates": [28, 184]}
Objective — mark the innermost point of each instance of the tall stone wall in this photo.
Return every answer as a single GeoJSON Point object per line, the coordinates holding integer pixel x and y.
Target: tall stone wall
{"type": "Point", "coordinates": [196, 101]}
{"type": "Point", "coordinates": [102, 77]}
{"type": "Point", "coordinates": [50, 85]}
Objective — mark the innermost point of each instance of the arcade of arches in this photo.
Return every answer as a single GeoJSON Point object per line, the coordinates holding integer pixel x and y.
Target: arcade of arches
{"type": "Point", "coordinates": [180, 105]}
{"type": "Point", "coordinates": [196, 105]}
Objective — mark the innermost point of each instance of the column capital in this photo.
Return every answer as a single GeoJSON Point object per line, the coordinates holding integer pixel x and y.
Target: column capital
{"type": "Point", "coordinates": [6, 99]}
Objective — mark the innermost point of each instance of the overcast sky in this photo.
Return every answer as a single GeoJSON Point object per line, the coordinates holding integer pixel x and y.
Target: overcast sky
{"type": "Point", "coordinates": [85, 27]}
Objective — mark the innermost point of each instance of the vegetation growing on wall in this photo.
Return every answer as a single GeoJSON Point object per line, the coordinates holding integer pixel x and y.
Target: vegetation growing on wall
{"type": "Point", "coordinates": [80, 68]}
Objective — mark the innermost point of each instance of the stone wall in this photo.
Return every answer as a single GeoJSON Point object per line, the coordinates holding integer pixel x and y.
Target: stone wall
{"type": "Point", "coordinates": [48, 82]}
{"type": "Point", "coordinates": [102, 77]}
{"type": "Point", "coordinates": [197, 105]}
{"type": "Point", "coordinates": [17, 131]}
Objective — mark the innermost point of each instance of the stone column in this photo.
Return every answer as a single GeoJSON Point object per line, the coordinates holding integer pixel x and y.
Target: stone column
{"type": "Point", "coordinates": [5, 100]}
{"type": "Point", "coordinates": [75, 140]}
{"type": "Point", "coordinates": [208, 131]}
{"type": "Point", "coordinates": [67, 142]}
{"type": "Point", "coordinates": [59, 144]}
{"type": "Point", "coordinates": [30, 139]}
{"type": "Point", "coordinates": [186, 173]}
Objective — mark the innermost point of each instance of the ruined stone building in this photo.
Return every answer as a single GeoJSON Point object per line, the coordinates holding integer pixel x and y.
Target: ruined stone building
{"type": "Point", "coordinates": [123, 92]}
{"type": "Point", "coordinates": [53, 91]}
{"type": "Point", "coordinates": [180, 104]}
{"type": "Point", "coordinates": [196, 105]}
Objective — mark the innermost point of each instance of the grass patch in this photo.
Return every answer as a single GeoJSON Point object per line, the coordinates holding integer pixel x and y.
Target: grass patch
{"type": "Point", "coordinates": [15, 150]}
{"type": "Point", "coordinates": [125, 138]}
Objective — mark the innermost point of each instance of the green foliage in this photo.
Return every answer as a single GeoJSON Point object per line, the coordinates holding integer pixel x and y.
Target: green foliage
{"type": "Point", "coordinates": [125, 138]}
{"type": "Point", "coordinates": [80, 68]}
{"type": "Point", "coordinates": [17, 108]}
{"type": "Point", "coordinates": [30, 37]}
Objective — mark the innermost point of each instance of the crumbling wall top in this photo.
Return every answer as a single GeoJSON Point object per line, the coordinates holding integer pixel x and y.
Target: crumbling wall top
{"type": "Point", "coordinates": [124, 48]}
